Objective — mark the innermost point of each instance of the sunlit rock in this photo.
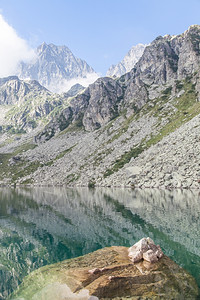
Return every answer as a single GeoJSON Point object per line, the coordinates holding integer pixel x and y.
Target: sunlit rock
{"type": "Point", "coordinates": [109, 274]}
{"type": "Point", "coordinates": [145, 249]}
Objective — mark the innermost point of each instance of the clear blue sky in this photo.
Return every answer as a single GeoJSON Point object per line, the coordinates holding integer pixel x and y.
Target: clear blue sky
{"type": "Point", "coordinates": [99, 31]}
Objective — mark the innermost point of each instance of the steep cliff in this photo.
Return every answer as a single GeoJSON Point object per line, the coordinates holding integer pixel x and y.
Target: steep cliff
{"type": "Point", "coordinates": [25, 103]}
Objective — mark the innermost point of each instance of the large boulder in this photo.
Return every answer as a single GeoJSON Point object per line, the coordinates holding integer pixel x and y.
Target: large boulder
{"type": "Point", "coordinates": [108, 274]}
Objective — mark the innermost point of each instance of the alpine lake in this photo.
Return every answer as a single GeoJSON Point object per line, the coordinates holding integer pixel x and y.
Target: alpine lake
{"type": "Point", "coordinates": [44, 225]}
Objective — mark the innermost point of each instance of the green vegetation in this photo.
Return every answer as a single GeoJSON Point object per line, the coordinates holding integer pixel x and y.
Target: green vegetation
{"type": "Point", "coordinates": [170, 111]}
{"type": "Point", "coordinates": [60, 155]}
{"type": "Point", "coordinates": [12, 129]}
{"type": "Point", "coordinates": [123, 128]}
{"type": "Point", "coordinates": [34, 107]}
{"type": "Point", "coordinates": [20, 167]}
{"type": "Point", "coordinates": [100, 156]}
{"type": "Point", "coordinates": [91, 183]}
{"type": "Point", "coordinates": [124, 159]}
{"type": "Point", "coordinates": [179, 85]}
{"type": "Point", "coordinates": [73, 127]}
{"type": "Point", "coordinates": [25, 170]}
{"type": "Point", "coordinates": [72, 177]}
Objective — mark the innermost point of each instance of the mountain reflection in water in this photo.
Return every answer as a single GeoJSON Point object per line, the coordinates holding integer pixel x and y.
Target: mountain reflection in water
{"type": "Point", "coordinates": [39, 226]}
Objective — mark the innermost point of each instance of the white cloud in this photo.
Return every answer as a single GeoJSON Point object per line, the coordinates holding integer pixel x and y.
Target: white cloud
{"type": "Point", "coordinates": [12, 49]}
{"type": "Point", "coordinates": [60, 86]}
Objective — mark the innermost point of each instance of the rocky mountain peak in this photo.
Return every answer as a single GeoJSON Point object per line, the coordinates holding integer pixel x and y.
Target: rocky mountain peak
{"type": "Point", "coordinates": [194, 27]}
{"type": "Point", "coordinates": [42, 47]}
{"type": "Point", "coordinates": [129, 61]}
{"type": "Point", "coordinates": [13, 90]}
{"type": "Point", "coordinates": [55, 67]}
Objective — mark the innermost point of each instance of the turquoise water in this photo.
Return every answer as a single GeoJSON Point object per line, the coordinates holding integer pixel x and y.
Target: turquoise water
{"type": "Point", "coordinates": [39, 226]}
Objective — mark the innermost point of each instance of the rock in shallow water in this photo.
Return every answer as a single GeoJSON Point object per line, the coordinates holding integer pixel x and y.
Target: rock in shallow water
{"type": "Point", "coordinates": [108, 274]}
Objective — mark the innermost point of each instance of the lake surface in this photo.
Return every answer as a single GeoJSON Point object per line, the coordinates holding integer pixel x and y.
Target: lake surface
{"type": "Point", "coordinates": [39, 226]}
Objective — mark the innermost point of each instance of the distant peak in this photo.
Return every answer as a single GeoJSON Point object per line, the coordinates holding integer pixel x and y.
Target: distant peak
{"type": "Point", "coordinates": [128, 62]}
{"type": "Point", "coordinates": [194, 26]}
{"type": "Point", "coordinates": [52, 46]}
{"type": "Point", "coordinates": [42, 47]}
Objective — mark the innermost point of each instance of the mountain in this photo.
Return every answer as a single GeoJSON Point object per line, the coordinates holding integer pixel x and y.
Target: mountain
{"type": "Point", "coordinates": [74, 90]}
{"type": "Point", "coordinates": [56, 68]}
{"type": "Point", "coordinates": [129, 61]}
{"type": "Point", "coordinates": [109, 134]}
{"type": "Point", "coordinates": [24, 105]}
{"type": "Point", "coordinates": [165, 61]}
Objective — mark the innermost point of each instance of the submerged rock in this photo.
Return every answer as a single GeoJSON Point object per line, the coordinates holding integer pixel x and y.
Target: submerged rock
{"type": "Point", "coordinates": [108, 274]}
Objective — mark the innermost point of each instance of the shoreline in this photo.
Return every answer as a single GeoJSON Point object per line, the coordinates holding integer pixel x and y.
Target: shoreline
{"type": "Point", "coordinates": [99, 186]}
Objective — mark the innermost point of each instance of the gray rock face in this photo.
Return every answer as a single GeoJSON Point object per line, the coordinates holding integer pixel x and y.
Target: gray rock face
{"type": "Point", "coordinates": [128, 131]}
{"type": "Point", "coordinates": [75, 89]}
{"type": "Point", "coordinates": [54, 66]}
{"type": "Point", "coordinates": [129, 61]}
{"type": "Point", "coordinates": [96, 106]}
{"type": "Point", "coordinates": [164, 61]}
{"type": "Point", "coordinates": [25, 102]}
{"type": "Point", "coordinates": [105, 96]}
{"type": "Point", "coordinates": [13, 90]}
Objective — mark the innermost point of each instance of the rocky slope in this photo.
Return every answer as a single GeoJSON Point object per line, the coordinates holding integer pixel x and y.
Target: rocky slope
{"type": "Point", "coordinates": [110, 132]}
{"type": "Point", "coordinates": [25, 105]}
{"type": "Point", "coordinates": [56, 68]}
{"type": "Point", "coordinates": [128, 62]}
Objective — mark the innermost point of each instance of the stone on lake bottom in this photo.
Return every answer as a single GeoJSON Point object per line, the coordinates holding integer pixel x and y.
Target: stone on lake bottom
{"type": "Point", "coordinates": [108, 274]}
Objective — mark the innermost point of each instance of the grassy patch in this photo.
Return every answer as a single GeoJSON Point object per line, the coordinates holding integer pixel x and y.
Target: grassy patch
{"type": "Point", "coordinates": [72, 178]}
{"type": "Point", "coordinates": [100, 156]}
{"type": "Point", "coordinates": [24, 148]}
{"type": "Point", "coordinates": [60, 155]}
{"type": "Point", "coordinates": [123, 128]}
{"type": "Point", "coordinates": [91, 184]}
{"type": "Point", "coordinates": [26, 170]}
{"type": "Point", "coordinates": [74, 127]}
{"type": "Point", "coordinates": [20, 168]}
{"type": "Point", "coordinates": [124, 159]}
